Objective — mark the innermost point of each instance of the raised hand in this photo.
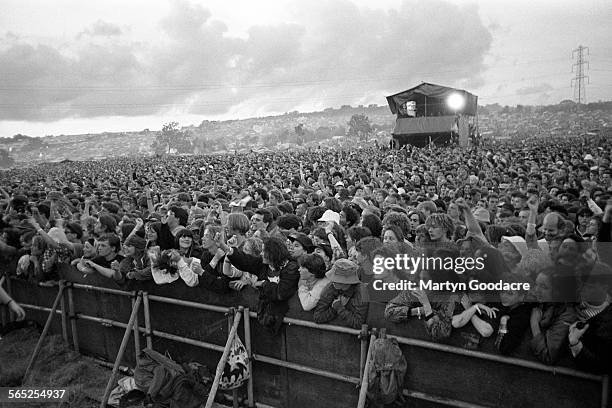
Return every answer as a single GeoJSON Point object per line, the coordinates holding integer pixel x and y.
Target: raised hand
{"type": "Point", "coordinates": [533, 203]}
{"type": "Point", "coordinates": [139, 223]}
{"type": "Point", "coordinates": [462, 204]}
{"type": "Point", "coordinates": [575, 333]}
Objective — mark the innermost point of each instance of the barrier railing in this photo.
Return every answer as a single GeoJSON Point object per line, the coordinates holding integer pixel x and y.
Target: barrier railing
{"type": "Point", "coordinates": [149, 333]}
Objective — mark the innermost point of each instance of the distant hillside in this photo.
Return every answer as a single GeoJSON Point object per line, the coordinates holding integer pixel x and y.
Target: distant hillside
{"type": "Point", "coordinates": [274, 131]}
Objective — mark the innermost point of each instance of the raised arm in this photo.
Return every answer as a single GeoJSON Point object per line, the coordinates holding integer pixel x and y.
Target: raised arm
{"type": "Point", "coordinates": [531, 235]}
{"type": "Point", "coordinates": [470, 221]}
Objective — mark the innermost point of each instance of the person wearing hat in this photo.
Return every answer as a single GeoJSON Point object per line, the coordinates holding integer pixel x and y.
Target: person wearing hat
{"type": "Point", "coordinates": [345, 299]}
{"type": "Point", "coordinates": [330, 215]}
{"type": "Point", "coordinates": [504, 210]}
{"type": "Point", "coordinates": [299, 244]}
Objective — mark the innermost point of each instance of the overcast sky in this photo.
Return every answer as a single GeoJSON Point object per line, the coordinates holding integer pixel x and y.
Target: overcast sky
{"type": "Point", "coordinates": [69, 66]}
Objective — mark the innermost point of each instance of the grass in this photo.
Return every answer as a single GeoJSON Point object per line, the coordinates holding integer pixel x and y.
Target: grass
{"type": "Point", "coordinates": [56, 367]}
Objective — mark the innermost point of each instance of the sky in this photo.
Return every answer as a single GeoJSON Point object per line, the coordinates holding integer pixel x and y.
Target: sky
{"type": "Point", "coordinates": [70, 66]}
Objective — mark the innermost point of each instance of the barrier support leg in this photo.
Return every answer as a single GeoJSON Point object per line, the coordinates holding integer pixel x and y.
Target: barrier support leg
{"type": "Point", "coordinates": [221, 365]}
{"type": "Point", "coordinates": [58, 298]}
{"type": "Point", "coordinates": [73, 317]}
{"type": "Point", "coordinates": [136, 331]}
{"type": "Point", "coordinates": [364, 381]}
{"type": "Point", "coordinates": [230, 323]}
{"type": "Point", "coordinates": [9, 290]}
{"type": "Point", "coordinates": [605, 389]}
{"type": "Point", "coordinates": [64, 314]}
{"type": "Point", "coordinates": [3, 318]}
{"type": "Point", "coordinates": [147, 317]}
{"type": "Point", "coordinates": [363, 337]}
{"type": "Point", "coordinates": [247, 341]}
{"type": "Point", "coordinates": [124, 343]}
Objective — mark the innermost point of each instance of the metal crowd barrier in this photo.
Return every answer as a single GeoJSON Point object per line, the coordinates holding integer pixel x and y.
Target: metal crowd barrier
{"type": "Point", "coordinates": [144, 298]}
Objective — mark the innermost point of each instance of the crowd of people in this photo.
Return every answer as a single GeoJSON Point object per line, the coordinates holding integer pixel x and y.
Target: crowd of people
{"type": "Point", "coordinates": [312, 224]}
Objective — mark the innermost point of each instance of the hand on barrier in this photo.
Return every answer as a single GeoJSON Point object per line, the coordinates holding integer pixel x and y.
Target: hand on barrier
{"type": "Point", "coordinates": [489, 311]}
{"type": "Point", "coordinates": [18, 310]}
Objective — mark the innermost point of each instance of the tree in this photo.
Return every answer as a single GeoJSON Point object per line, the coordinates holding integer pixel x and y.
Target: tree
{"type": "Point", "coordinates": [359, 126]}
{"type": "Point", "coordinates": [172, 137]}
{"type": "Point", "coordinates": [5, 159]}
{"type": "Point", "coordinates": [299, 134]}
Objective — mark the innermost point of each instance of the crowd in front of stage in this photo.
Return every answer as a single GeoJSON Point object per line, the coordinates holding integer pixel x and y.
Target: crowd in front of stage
{"type": "Point", "coordinates": [313, 224]}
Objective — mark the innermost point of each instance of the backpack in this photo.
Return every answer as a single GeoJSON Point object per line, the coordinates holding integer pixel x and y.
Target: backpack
{"type": "Point", "coordinates": [167, 383]}
{"type": "Point", "coordinates": [386, 371]}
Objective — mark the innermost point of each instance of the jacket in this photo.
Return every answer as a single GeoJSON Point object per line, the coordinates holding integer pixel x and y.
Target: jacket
{"type": "Point", "coordinates": [278, 287]}
{"type": "Point", "coordinates": [213, 279]}
{"type": "Point", "coordinates": [274, 295]}
{"type": "Point", "coordinates": [518, 324]}
{"type": "Point", "coordinates": [355, 312]}
{"type": "Point", "coordinates": [552, 341]}
{"type": "Point", "coordinates": [596, 352]}
{"type": "Point", "coordinates": [438, 327]}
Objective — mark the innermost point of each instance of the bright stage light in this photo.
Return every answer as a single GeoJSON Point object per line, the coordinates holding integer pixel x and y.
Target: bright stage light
{"type": "Point", "coordinates": [455, 101]}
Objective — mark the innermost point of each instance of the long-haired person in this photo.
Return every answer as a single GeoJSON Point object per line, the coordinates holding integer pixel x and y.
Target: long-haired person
{"type": "Point", "coordinates": [552, 316]}
{"type": "Point", "coordinates": [278, 279]}
{"type": "Point", "coordinates": [312, 280]}
{"type": "Point", "coordinates": [187, 247]}
{"type": "Point", "coordinates": [136, 264]}
{"type": "Point", "coordinates": [238, 226]}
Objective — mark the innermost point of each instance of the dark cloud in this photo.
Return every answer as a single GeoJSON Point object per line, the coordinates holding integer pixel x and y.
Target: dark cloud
{"type": "Point", "coordinates": [332, 53]}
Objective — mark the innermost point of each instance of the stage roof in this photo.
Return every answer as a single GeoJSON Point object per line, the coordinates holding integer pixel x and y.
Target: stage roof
{"type": "Point", "coordinates": [432, 91]}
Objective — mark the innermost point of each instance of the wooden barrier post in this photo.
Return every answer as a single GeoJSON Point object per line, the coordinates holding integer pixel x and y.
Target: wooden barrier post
{"type": "Point", "coordinates": [230, 323]}
{"type": "Point", "coordinates": [364, 381]}
{"type": "Point", "coordinates": [124, 342]}
{"type": "Point", "coordinates": [605, 389]}
{"type": "Point", "coordinates": [3, 318]}
{"type": "Point", "coordinates": [73, 317]}
{"type": "Point", "coordinates": [247, 343]}
{"type": "Point", "coordinates": [9, 290]}
{"type": "Point", "coordinates": [147, 317]}
{"type": "Point", "coordinates": [221, 365]}
{"type": "Point", "coordinates": [64, 313]}
{"type": "Point", "coordinates": [135, 295]}
{"type": "Point", "coordinates": [60, 295]}
{"type": "Point", "coordinates": [363, 337]}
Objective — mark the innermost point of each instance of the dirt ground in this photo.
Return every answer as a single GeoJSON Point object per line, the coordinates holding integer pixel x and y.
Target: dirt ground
{"type": "Point", "coordinates": [56, 367]}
